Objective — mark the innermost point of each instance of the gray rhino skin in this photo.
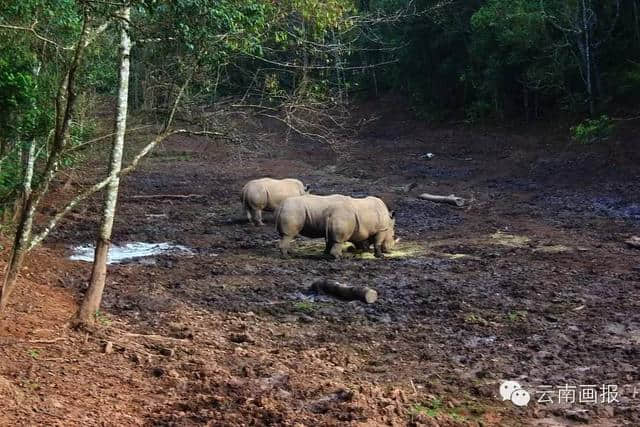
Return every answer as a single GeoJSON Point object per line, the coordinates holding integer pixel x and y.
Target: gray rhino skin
{"type": "Point", "coordinates": [363, 222]}
{"type": "Point", "coordinates": [338, 219]}
{"type": "Point", "coordinates": [266, 194]}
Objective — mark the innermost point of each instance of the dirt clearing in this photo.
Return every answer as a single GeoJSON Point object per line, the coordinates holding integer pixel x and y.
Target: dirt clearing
{"type": "Point", "coordinates": [530, 282]}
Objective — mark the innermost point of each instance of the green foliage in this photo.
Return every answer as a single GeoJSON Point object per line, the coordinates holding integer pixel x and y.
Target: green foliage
{"type": "Point", "coordinates": [593, 130]}
{"type": "Point", "coordinates": [517, 316]}
{"type": "Point", "coordinates": [433, 408]}
{"type": "Point", "coordinates": [304, 307]}
{"type": "Point", "coordinates": [34, 354]}
{"type": "Point", "coordinates": [502, 59]}
{"type": "Point", "coordinates": [31, 68]}
{"type": "Point", "coordinates": [102, 318]}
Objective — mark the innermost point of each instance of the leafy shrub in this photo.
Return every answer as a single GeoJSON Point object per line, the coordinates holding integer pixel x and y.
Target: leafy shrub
{"type": "Point", "coordinates": [593, 130]}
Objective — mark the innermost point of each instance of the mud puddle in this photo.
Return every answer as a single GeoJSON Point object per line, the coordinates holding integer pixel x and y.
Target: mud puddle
{"type": "Point", "coordinates": [129, 251]}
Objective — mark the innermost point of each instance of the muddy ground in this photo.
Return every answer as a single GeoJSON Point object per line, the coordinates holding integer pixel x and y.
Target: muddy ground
{"type": "Point", "coordinates": [530, 282]}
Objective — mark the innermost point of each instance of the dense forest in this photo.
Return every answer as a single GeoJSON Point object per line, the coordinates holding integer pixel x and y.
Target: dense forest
{"type": "Point", "coordinates": [497, 59]}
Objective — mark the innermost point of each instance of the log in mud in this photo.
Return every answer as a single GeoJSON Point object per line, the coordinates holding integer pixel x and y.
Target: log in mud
{"type": "Point", "coordinates": [450, 199]}
{"type": "Point", "coordinates": [346, 292]}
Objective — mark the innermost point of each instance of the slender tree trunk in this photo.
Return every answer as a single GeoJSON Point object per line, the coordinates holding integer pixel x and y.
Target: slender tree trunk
{"type": "Point", "coordinates": [586, 32]}
{"type": "Point", "coordinates": [636, 20]}
{"type": "Point", "coordinates": [338, 65]}
{"type": "Point", "coordinates": [23, 232]}
{"type": "Point", "coordinates": [305, 61]}
{"type": "Point", "coordinates": [93, 297]}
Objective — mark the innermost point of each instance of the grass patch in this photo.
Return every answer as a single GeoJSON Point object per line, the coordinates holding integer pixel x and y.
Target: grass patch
{"type": "Point", "coordinates": [517, 316]}
{"type": "Point", "coordinates": [431, 409]}
{"type": "Point", "coordinates": [34, 354]}
{"type": "Point", "coordinates": [475, 319]}
{"type": "Point", "coordinates": [437, 408]}
{"type": "Point", "coordinates": [510, 240]}
{"type": "Point", "coordinates": [315, 248]}
{"type": "Point", "coordinates": [304, 307]}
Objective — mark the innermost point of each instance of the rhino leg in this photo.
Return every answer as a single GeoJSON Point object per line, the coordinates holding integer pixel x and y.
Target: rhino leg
{"type": "Point", "coordinates": [284, 244]}
{"type": "Point", "coordinates": [336, 250]}
{"type": "Point", "coordinates": [256, 215]}
{"type": "Point", "coordinates": [377, 245]}
{"type": "Point", "coordinates": [362, 245]}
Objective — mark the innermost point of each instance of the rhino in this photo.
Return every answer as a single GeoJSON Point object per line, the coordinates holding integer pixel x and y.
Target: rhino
{"type": "Point", "coordinates": [338, 219]}
{"type": "Point", "coordinates": [266, 194]}
{"type": "Point", "coordinates": [363, 222]}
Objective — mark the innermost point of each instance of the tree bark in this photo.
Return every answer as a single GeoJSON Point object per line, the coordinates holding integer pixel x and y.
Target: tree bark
{"type": "Point", "coordinates": [92, 299]}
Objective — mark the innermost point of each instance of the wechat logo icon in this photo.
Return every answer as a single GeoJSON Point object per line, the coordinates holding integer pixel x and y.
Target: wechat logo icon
{"type": "Point", "coordinates": [513, 391]}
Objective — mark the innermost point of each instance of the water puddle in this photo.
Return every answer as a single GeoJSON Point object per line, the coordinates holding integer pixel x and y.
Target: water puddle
{"type": "Point", "coordinates": [118, 254]}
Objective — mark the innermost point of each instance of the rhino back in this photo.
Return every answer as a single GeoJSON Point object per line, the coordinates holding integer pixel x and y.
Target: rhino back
{"type": "Point", "coordinates": [372, 215]}
{"type": "Point", "coordinates": [279, 191]}
{"type": "Point", "coordinates": [306, 214]}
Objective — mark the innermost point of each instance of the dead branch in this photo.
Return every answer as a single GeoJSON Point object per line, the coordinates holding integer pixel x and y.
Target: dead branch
{"type": "Point", "coordinates": [32, 30]}
{"type": "Point", "coordinates": [450, 199]}
{"type": "Point", "coordinates": [156, 337]}
{"type": "Point", "coordinates": [346, 292]}
{"type": "Point", "coordinates": [100, 138]}
{"type": "Point", "coordinates": [102, 184]}
{"type": "Point", "coordinates": [166, 196]}
{"type": "Point", "coordinates": [321, 67]}
{"type": "Point", "coordinates": [51, 341]}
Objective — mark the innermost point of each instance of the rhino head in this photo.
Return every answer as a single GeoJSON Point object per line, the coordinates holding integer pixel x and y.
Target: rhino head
{"type": "Point", "coordinates": [389, 241]}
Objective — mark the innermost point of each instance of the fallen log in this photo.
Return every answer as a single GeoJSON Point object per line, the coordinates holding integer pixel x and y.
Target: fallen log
{"type": "Point", "coordinates": [451, 199]}
{"type": "Point", "coordinates": [340, 290]}
{"type": "Point", "coordinates": [634, 242]}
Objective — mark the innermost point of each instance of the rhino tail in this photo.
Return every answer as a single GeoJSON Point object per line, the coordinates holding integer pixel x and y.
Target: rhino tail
{"type": "Point", "coordinates": [245, 208]}
{"type": "Point", "coordinates": [278, 217]}
{"type": "Point", "coordinates": [326, 228]}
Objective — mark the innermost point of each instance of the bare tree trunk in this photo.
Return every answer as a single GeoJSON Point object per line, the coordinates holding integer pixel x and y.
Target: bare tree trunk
{"type": "Point", "coordinates": [93, 297]}
{"type": "Point", "coordinates": [586, 33]}
{"type": "Point", "coordinates": [636, 20]}
{"type": "Point", "coordinates": [338, 65]}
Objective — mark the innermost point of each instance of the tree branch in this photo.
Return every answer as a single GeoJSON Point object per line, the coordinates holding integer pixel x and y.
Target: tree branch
{"type": "Point", "coordinates": [32, 30]}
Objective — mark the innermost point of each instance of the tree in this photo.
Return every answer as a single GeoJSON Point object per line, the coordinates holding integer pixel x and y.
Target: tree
{"type": "Point", "coordinates": [65, 104]}
{"type": "Point", "coordinates": [585, 27]}
{"type": "Point", "coordinates": [93, 296]}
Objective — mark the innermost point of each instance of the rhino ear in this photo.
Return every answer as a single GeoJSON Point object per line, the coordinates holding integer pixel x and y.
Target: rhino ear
{"type": "Point", "coordinates": [392, 214]}
{"type": "Point", "coordinates": [307, 188]}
